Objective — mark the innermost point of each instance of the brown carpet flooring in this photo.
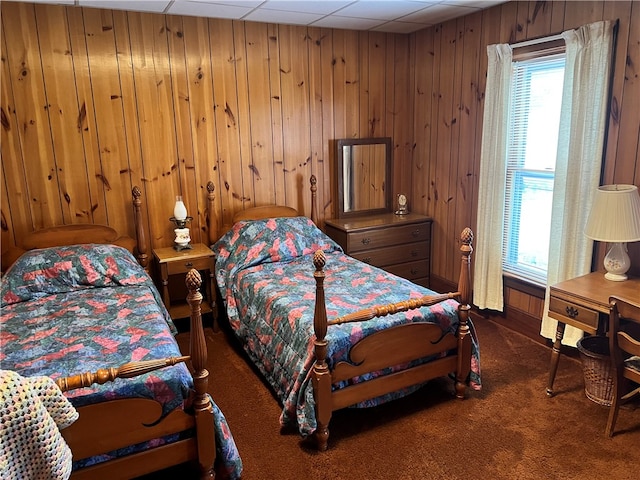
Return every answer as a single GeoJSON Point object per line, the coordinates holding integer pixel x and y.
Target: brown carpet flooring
{"type": "Point", "coordinates": [509, 430]}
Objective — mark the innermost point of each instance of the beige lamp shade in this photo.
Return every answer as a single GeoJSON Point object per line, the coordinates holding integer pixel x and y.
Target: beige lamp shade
{"type": "Point", "coordinates": [615, 214]}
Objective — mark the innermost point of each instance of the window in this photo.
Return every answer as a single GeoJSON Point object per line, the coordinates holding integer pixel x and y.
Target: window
{"type": "Point", "coordinates": [533, 126]}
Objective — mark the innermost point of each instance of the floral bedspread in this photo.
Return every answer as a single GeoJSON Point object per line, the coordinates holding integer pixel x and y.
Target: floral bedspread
{"type": "Point", "coordinates": [54, 303]}
{"type": "Point", "coordinates": [265, 271]}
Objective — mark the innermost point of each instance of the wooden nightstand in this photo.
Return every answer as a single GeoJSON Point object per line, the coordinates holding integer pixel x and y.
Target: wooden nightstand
{"type": "Point", "coordinates": [171, 262]}
{"type": "Point", "coordinates": [583, 302]}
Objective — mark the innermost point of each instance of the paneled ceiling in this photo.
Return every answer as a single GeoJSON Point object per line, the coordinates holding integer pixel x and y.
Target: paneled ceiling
{"type": "Point", "coordinates": [396, 16]}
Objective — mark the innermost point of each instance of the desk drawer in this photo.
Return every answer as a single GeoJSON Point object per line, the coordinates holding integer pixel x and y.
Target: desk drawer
{"type": "Point", "coordinates": [183, 266]}
{"type": "Point", "coordinates": [381, 257]}
{"type": "Point", "coordinates": [575, 315]}
{"type": "Point", "coordinates": [384, 237]}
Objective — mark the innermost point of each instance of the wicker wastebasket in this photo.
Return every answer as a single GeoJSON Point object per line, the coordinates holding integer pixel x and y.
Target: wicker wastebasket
{"type": "Point", "coordinates": [596, 364]}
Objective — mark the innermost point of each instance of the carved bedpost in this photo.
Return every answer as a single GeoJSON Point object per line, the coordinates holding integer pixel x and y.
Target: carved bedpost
{"type": "Point", "coordinates": [314, 200]}
{"type": "Point", "coordinates": [464, 287]}
{"type": "Point", "coordinates": [201, 403]}
{"type": "Point", "coordinates": [211, 212]}
{"type": "Point", "coordinates": [321, 376]}
{"type": "Point", "coordinates": [141, 238]}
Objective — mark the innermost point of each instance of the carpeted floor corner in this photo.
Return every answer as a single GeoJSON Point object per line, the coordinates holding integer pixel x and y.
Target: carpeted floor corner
{"type": "Point", "coordinates": [509, 430]}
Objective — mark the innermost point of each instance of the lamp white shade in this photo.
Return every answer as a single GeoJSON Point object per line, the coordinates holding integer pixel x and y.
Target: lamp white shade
{"type": "Point", "coordinates": [179, 209]}
{"type": "Point", "coordinates": [615, 214]}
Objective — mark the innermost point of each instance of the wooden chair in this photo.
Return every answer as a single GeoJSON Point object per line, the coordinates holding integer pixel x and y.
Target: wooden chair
{"type": "Point", "coordinates": [624, 343]}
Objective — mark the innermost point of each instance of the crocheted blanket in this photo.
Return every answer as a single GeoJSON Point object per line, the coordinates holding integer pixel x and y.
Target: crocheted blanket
{"type": "Point", "coordinates": [33, 410]}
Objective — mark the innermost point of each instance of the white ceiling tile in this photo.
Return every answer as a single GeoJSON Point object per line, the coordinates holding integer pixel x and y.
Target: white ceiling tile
{"type": "Point", "coordinates": [278, 16]}
{"type": "Point", "coordinates": [309, 6]}
{"type": "Point", "coordinates": [215, 10]}
{"type": "Point", "coordinates": [438, 13]}
{"type": "Point", "coordinates": [233, 3]}
{"type": "Point", "coordinates": [348, 23]}
{"type": "Point", "coordinates": [137, 6]}
{"type": "Point", "coordinates": [399, 27]}
{"type": "Point", "coordinates": [382, 9]}
{"type": "Point", "coordinates": [479, 4]}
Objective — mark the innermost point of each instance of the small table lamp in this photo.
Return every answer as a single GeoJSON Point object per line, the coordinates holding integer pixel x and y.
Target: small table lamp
{"type": "Point", "coordinates": [181, 219]}
{"type": "Point", "coordinates": [615, 218]}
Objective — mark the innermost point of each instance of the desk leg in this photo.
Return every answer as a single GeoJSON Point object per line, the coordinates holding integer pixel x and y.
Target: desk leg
{"type": "Point", "coordinates": [555, 357]}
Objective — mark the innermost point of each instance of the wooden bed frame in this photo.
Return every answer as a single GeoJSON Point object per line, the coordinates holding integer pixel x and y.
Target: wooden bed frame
{"type": "Point", "coordinates": [391, 347]}
{"type": "Point", "coordinates": [111, 425]}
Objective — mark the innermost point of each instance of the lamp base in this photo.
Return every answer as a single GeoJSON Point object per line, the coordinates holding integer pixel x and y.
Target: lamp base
{"type": "Point", "coordinates": [615, 277]}
{"type": "Point", "coordinates": [617, 262]}
{"type": "Point", "coordinates": [179, 247]}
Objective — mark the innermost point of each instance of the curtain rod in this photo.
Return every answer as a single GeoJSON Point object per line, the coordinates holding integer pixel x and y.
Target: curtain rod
{"type": "Point", "coordinates": [537, 41]}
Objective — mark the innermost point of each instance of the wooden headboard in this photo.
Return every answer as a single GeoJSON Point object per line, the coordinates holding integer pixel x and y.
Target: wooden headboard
{"type": "Point", "coordinates": [60, 235]}
{"type": "Point", "coordinates": [255, 213]}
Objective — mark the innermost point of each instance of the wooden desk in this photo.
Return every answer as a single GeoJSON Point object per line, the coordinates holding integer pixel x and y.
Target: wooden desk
{"type": "Point", "coordinates": [583, 302]}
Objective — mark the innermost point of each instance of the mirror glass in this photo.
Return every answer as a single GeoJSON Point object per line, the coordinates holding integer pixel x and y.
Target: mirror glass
{"type": "Point", "coordinates": [363, 171]}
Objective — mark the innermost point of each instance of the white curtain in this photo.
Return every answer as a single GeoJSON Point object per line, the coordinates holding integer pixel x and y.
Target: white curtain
{"type": "Point", "coordinates": [583, 116]}
{"type": "Point", "coordinates": [578, 164]}
{"type": "Point", "coordinates": [487, 283]}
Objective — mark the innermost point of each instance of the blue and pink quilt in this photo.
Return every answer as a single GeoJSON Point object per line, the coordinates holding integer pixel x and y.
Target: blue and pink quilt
{"type": "Point", "coordinates": [72, 309]}
{"type": "Point", "coordinates": [264, 269]}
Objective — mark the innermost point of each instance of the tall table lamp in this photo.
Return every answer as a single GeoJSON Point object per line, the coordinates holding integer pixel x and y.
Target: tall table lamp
{"type": "Point", "coordinates": [615, 219]}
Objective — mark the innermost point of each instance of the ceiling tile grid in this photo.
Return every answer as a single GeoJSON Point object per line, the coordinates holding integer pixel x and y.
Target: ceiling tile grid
{"type": "Point", "coordinates": [393, 16]}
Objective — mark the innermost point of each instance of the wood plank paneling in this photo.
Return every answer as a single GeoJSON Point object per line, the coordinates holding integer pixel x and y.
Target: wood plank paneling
{"type": "Point", "coordinates": [35, 159]}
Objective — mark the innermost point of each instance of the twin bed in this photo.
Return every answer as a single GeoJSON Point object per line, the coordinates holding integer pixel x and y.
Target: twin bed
{"type": "Point", "coordinates": [83, 311]}
{"type": "Point", "coordinates": [328, 331]}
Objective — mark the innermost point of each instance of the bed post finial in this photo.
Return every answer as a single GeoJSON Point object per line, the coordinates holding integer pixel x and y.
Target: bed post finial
{"type": "Point", "coordinates": [314, 199]}
{"type": "Point", "coordinates": [466, 248]}
{"type": "Point", "coordinates": [141, 240]}
{"type": "Point", "coordinates": [321, 377]}
{"type": "Point", "coordinates": [212, 218]}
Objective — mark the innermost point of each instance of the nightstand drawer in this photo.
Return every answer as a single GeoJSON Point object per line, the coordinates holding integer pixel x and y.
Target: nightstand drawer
{"type": "Point", "coordinates": [382, 257]}
{"type": "Point", "coordinates": [572, 314]}
{"type": "Point", "coordinates": [384, 237]}
{"type": "Point", "coordinates": [183, 266]}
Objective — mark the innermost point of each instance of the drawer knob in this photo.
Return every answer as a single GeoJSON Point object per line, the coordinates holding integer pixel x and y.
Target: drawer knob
{"type": "Point", "coordinates": [414, 271]}
{"type": "Point", "coordinates": [414, 253]}
{"type": "Point", "coordinates": [572, 312]}
{"type": "Point", "coordinates": [366, 241]}
{"type": "Point", "coordinates": [416, 232]}
{"type": "Point", "coordinates": [366, 259]}
{"type": "Point", "coordinates": [188, 264]}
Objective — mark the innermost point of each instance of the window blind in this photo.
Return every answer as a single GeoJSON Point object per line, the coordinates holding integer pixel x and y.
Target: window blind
{"type": "Point", "coordinates": [534, 117]}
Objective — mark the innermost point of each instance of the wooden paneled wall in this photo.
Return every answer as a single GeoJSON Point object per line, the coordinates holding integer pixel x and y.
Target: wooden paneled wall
{"type": "Point", "coordinates": [450, 64]}
{"type": "Point", "coordinates": [96, 101]}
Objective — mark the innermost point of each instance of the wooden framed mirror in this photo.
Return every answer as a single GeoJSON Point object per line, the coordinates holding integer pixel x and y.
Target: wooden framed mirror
{"type": "Point", "coordinates": [363, 176]}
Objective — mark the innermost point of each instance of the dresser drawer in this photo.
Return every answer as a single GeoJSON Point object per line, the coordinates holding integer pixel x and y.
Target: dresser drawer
{"type": "Point", "coordinates": [572, 314]}
{"type": "Point", "coordinates": [411, 270]}
{"type": "Point", "coordinates": [381, 257]}
{"type": "Point", "coordinates": [383, 237]}
{"type": "Point", "coordinates": [183, 266]}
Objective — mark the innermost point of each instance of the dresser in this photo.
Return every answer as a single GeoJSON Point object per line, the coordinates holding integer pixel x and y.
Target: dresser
{"type": "Point", "coordinates": [400, 244]}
